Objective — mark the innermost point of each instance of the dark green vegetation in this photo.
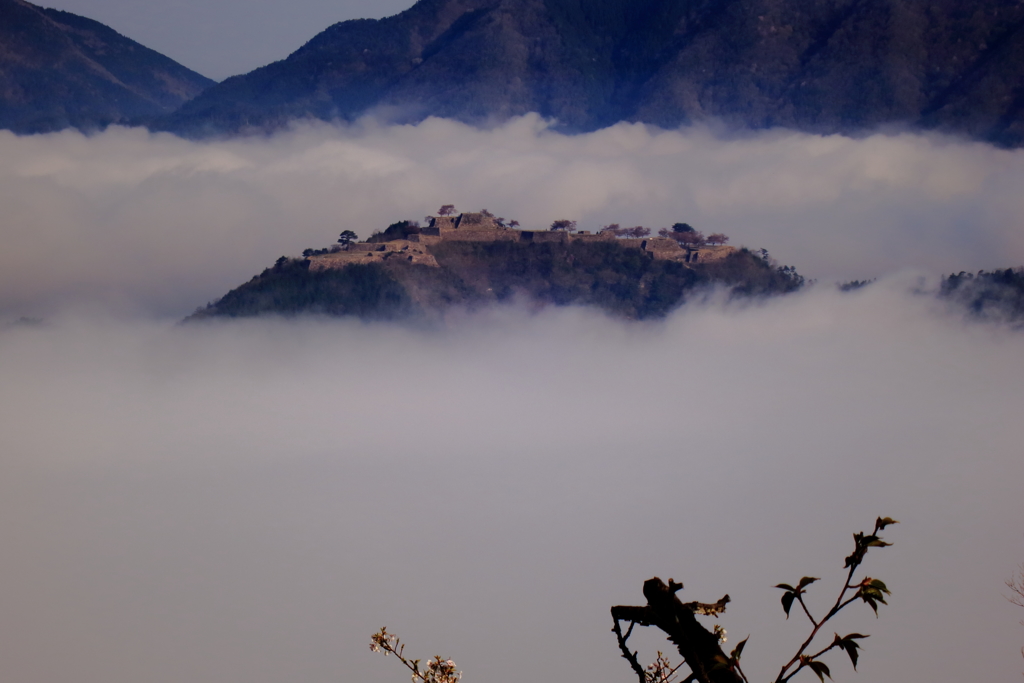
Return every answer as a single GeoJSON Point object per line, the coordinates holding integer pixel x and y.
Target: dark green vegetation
{"type": "Point", "coordinates": [824, 66]}
{"type": "Point", "coordinates": [395, 231]}
{"type": "Point", "coordinates": [620, 280]}
{"type": "Point", "coordinates": [997, 295]}
{"type": "Point", "coordinates": [58, 70]}
{"type": "Point", "coordinates": [366, 291]}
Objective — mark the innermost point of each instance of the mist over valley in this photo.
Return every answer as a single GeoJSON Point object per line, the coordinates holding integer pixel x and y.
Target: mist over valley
{"type": "Point", "coordinates": [248, 496]}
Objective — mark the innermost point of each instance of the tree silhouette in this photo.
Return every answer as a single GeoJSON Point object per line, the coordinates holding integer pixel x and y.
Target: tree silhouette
{"type": "Point", "coordinates": [701, 648]}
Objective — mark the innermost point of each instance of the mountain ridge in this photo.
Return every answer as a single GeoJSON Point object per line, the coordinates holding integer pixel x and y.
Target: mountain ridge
{"type": "Point", "coordinates": [830, 66]}
{"type": "Point", "coordinates": [60, 70]}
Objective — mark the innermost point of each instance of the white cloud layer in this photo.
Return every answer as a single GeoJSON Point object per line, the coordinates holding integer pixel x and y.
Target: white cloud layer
{"type": "Point", "coordinates": [163, 224]}
{"type": "Point", "coordinates": [249, 501]}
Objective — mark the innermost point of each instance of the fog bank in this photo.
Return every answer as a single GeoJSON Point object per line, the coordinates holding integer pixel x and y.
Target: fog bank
{"type": "Point", "coordinates": [159, 224]}
{"type": "Point", "coordinates": [250, 501]}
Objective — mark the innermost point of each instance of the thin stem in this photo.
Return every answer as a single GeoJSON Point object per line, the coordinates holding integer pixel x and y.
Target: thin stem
{"type": "Point", "coordinates": [800, 597]}
{"type": "Point", "coordinates": [831, 613]}
{"type": "Point", "coordinates": [626, 654]}
{"type": "Point", "coordinates": [740, 671]}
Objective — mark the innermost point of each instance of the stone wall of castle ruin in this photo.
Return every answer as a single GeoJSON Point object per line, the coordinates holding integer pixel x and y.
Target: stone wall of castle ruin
{"type": "Point", "coordinates": [481, 236]}
{"type": "Point", "coordinates": [711, 253]}
{"type": "Point", "coordinates": [424, 238]}
{"type": "Point", "coordinates": [540, 236]}
{"type": "Point", "coordinates": [412, 252]}
{"type": "Point", "coordinates": [476, 221]}
{"type": "Point", "coordinates": [442, 223]}
{"type": "Point", "coordinates": [477, 227]}
{"type": "Point", "coordinates": [593, 237]}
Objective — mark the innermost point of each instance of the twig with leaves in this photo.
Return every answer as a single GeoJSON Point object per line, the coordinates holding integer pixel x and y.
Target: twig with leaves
{"type": "Point", "coordinates": [700, 647]}
{"type": "Point", "coordinates": [869, 590]}
{"type": "Point", "coordinates": [436, 670]}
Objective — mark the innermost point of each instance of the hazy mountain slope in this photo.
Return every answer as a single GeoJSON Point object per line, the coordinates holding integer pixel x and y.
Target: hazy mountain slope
{"type": "Point", "coordinates": [823, 65]}
{"type": "Point", "coordinates": [58, 69]}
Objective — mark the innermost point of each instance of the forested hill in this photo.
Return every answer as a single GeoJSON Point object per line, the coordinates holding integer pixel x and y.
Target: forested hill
{"type": "Point", "coordinates": [621, 280]}
{"type": "Point", "coordinates": [824, 66]}
{"type": "Point", "coordinates": [60, 70]}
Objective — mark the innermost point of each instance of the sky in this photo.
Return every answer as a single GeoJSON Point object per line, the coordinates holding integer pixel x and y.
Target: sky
{"type": "Point", "coordinates": [251, 500]}
{"type": "Point", "coordinates": [221, 38]}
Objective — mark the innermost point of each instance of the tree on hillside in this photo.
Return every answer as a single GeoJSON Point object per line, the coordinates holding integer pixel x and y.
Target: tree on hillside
{"type": "Point", "coordinates": [701, 648]}
{"type": "Point", "coordinates": [563, 224]}
{"type": "Point", "coordinates": [346, 238]}
{"type": "Point", "coordinates": [446, 210]}
{"type": "Point", "coordinates": [682, 227]}
{"type": "Point", "coordinates": [689, 239]}
{"type": "Point", "coordinates": [612, 228]}
{"type": "Point", "coordinates": [717, 238]}
{"type": "Point", "coordinates": [638, 232]}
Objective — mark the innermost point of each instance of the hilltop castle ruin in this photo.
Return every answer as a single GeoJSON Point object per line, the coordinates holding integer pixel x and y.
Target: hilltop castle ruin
{"type": "Point", "coordinates": [483, 227]}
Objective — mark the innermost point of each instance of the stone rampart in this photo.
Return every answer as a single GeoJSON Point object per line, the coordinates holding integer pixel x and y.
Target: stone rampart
{"type": "Point", "coordinates": [592, 237]}
{"type": "Point", "coordinates": [412, 252]}
{"type": "Point", "coordinates": [422, 238]}
{"type": "Point", "coordinates": [442, 223]}
{"type": "Point", "coordinates": [479, 227]}
{"type": "Point", "coordinates": [481, 236]}
{"type": "Point", "coordinates": [708, 254]}
{"type": "Point", "coordinates": [539, 236]}
{"type": "Point", "coordinates": [476, 221]}
{"type": "Point", "coordinates": [659, 244]}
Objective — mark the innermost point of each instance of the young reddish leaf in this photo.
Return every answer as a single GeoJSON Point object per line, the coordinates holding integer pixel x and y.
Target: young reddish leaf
{"type": "Point", "coordinates": [849, 645]}
{"type": "Point", "coordinates": [851, 649]}
{"type": "Point", "coordinates": [885, 521]}
{"type": "Point", "coordinates": [785, 586]}
{"type": "Point", "coordinates": [787, 602]}
{"type": "Point", "coordinates": [807, 581]}
{"type": "Point", "coordinates": [738, 650]}
{"type": "Point", "coordinates": [871, 601]}
{"type": "Point", "coordinates": [820, 669]}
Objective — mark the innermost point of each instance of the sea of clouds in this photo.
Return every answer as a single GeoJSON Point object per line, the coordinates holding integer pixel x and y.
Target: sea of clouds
{"type": "Point", "coordinates": [250, 500]}
{"type": "Point", "coordinates": [164, 224]}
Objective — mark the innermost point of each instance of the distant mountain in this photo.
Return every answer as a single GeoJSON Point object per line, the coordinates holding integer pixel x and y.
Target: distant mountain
{"type": "Point", "coordinates": [58, 70]}
{"type": "Point", "coordinates": [814, 65]}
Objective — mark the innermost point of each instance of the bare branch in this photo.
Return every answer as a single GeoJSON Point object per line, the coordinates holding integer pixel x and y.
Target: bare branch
{"type": "Point", "coordinates": [626, 654]}
{"type": "Point", "coordinates": [699, 647]}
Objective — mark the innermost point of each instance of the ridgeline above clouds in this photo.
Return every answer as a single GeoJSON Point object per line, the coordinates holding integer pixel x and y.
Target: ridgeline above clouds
{"type": "Point", "coordinates": [836, 66]}
{"type": "Point", "coordinates": [825, 67]}
{"type": "Point", "coordinates": [60, 70]}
